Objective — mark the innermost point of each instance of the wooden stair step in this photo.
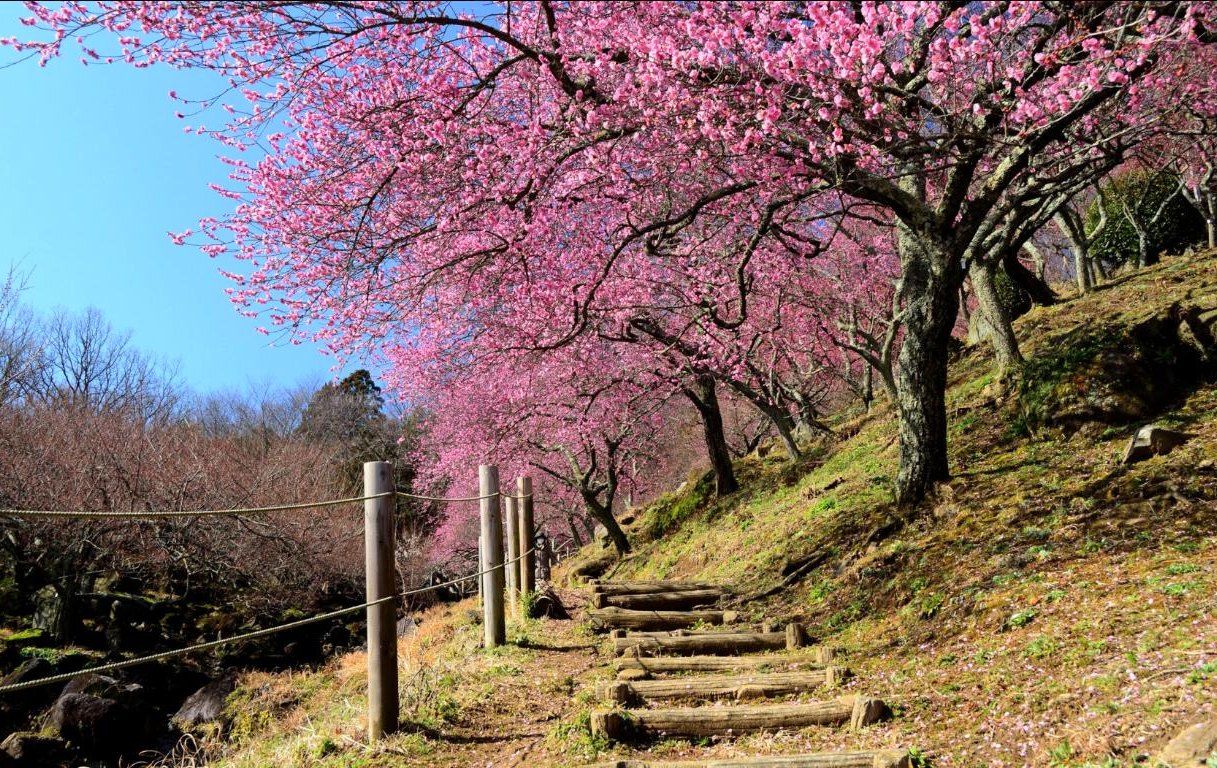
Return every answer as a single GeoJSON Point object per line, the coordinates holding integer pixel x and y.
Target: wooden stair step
{"type": "Point", "coordinates": [641, 667]}
{"type": "Point", "coordinates": [862, 759]}
{"type": "Point", "coordinates": [739, 687]}
{"type": "Point", "coordinates": [672, 600]}
{"type": "Point", "coordinates": [622, 618]}
{"type": "Point", "coordinates": [712, 643]}
{"type": "Point", "coordinates": [652, 587]}
{"type": "Point", "coordinates": [856, 711]}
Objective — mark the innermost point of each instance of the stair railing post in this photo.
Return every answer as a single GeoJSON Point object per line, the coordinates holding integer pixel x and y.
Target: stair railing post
{"type": "Point", "coordinates": [378, 537]}
{"type": "Point", "coordinates": [527, 533]}
{"type": "Point", "coordinates": [494, 621]}
{"type": "Point", "coordinates": [512, 574]}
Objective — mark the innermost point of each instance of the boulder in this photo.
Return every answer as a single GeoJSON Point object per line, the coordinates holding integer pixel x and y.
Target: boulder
{"type": "Point", "coordinates": [1191, 749]}
{"type": "Point", "coordinates": [205, 707]}
{"type": "Point", "coordinates": [31, 750]}
{"type": "Point", "coordinates": [50, 614]}
{"type": "Point", "coordinates": [30, 669]}
{"type": "Point", "coordinates": [99, 714]}
{"type": "Point", "coordinates": [1153, 440]}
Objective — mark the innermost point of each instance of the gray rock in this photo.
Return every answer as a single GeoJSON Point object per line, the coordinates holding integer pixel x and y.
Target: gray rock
{"type": "Point", "coordinates": [205, 707]}
{"type": "Point", "coordinates": [1153, 440]}
{"type": "Point", "coordinates": [99, 714]}
{"type": "Point", "coordinates": [1190, 749]}
{"type": "Point", "coordinates": [406, 626]}
{"type": "Point", "coordinates": [49, 615]}
{"type": "Point", "coordinates": [31, 750]}
{"type": "Point", "coordinates": [30, 669]}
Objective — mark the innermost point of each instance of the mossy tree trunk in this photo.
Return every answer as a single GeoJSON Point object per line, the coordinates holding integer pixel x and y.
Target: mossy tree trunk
{"type": "Point", "coordinates": [1005, 343]}
{"type": "Point", "coordinates": [930, 297]}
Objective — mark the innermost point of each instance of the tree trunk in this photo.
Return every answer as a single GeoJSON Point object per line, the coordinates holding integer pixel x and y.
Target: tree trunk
{"type": "Point", "coordinates": [574, 532]}
{"type": "Point", "coordinates": [930, 281]}
{"type": "Point", "coordinates": [1210, 227]}
{"type": "Point", "coordinates": [868, 386]}
{"type": "Point", "coordinates": [604, 516]}
{"type": "Point", "coordinates": [1081, 268]}
{"type": "Point", "coordinates": [1035, 287]}
{"type": "Point", "coordinates": [705, 399]}
{"type": "Point", "coordinates": [1005, 343]}
{"type": "Point", "coordinates": [1143, 257]}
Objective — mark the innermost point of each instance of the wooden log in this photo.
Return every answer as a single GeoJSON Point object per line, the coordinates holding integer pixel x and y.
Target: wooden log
{"type": "Point", "coordinates": [877, 759]}
{"type": "Point", "coordinates": [650, 587]}
{"type": "Point", "coordinates": [708, 687]}
{"type": "Point", "coordinates": [621, 618]}
{"type": "Point", "coordinates": [651, 601]}
{"type": "Point", "coordinates": [648, 667]}
{"type": "Point", "coordinates": [712, 643]}
{"type": "Point", "coordinates": [701, 722]}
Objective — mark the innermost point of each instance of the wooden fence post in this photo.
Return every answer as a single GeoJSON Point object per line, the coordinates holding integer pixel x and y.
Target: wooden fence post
{"type": "Point", "coordinates": [378, 535]}
{"type": "Point", "coordinates": [528, 574]}
{"type": "Point", "coordinates": [513, 554]}
{"type": "Point", "coordinates": [493, 621]}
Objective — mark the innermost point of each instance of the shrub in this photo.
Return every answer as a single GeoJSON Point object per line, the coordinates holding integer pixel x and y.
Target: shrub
{"type": "Point", "coordinates": [1179, 226]}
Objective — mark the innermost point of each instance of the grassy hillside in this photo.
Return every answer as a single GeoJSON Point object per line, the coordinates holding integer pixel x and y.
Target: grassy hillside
{"type": "Point", "coordinates": [1050, 606]}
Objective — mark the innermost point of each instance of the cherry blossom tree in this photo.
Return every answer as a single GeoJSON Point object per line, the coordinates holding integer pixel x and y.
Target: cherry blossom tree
{"type": "Point", "coordinates": [531, 167]}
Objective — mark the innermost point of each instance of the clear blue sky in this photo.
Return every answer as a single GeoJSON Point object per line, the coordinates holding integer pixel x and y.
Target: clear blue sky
{"type": "Point", "coordinates": [94, 170]}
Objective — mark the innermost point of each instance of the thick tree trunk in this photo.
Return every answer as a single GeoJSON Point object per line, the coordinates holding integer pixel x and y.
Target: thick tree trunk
{"type": "Point", "coordinates": [1035, 287]}
{"type": "Point", "coordinates": [604, 516]}
{"type": "Point", "coordinates": [1081, 268]}
{"type": "Point", "coordinates": [705, 399]}
{"type": "Point", "coordinates": [1143, 256]}
{"type": "Point", "coordinates": [1005, 343]}
{"type": "Point", "coordinates": [930, 294]}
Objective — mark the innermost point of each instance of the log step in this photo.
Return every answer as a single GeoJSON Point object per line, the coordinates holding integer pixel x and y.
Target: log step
{"type": "Point", "coordinates": [878, 759]}
{"type": "Point", "coordinates": [712, 643]}
{"type": "Point", "coordinates": [622, 618]}
{"type": "Point", "coordinates": [698, 722]}
{"type": "Point", "coordinates": [651, 587]}
{"type": "Point", "coordinates": [636, 667]}
{"type": "Point", "coordinates": [738, 687]}
{"type": "Point", "coordinates": [649, 601]}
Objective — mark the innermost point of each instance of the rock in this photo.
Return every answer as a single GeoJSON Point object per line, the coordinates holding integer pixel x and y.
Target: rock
{"type": "Point", "coordinates": [1190, 749]}
{"type": "Point", "coordinates": [30, 669]}
{"type": "Point", "coordinates": [205, 707]}
{"type": "Point", "coordinates": [49, 615]}
{"type": "Point", "coordinates": [99, 714]}
{"type": "Point", "coordinates": [1153, 440]}
{"type": "Point", "coordinates": [406, 626]}
{"type": "Point", "coordinates": [31, 750]}
{"type": "Point", "coordinates": [600, 533]}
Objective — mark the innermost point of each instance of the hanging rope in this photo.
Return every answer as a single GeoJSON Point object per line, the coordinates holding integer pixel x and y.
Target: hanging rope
{"type": "Point", "coordinates": [186, 513]}
{"type": "Point", "coordinates": [113, 666]}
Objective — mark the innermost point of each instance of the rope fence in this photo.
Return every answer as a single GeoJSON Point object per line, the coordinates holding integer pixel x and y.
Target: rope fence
{"type": "Point", "coordinates": [511, 576]}
{"type": "Point", "coordinates": [160, 514]}
{"type": "Point", "coordinates": [117, 665]}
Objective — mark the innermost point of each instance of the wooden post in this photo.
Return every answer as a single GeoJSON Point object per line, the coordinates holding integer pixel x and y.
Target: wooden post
{"type": "Point", "coordinates": [493, 620]}
{"type": "Point", "coordinates": [526, 532]}
{"type": "Point", "coordinates": [513, 555]}
{"type": "Point", "coordinates": [378, 533]}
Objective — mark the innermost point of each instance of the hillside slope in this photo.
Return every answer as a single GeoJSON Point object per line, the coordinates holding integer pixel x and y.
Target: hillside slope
{"type": "Point", "coordinates": [1051, 606]}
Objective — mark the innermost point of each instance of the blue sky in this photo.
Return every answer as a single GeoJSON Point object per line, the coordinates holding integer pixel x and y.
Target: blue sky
{"type": "Point", "coordinates": [94, 170]}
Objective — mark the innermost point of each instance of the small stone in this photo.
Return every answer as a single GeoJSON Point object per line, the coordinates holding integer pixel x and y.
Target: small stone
{"type": "Point", "coordinates": [205, 706]}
